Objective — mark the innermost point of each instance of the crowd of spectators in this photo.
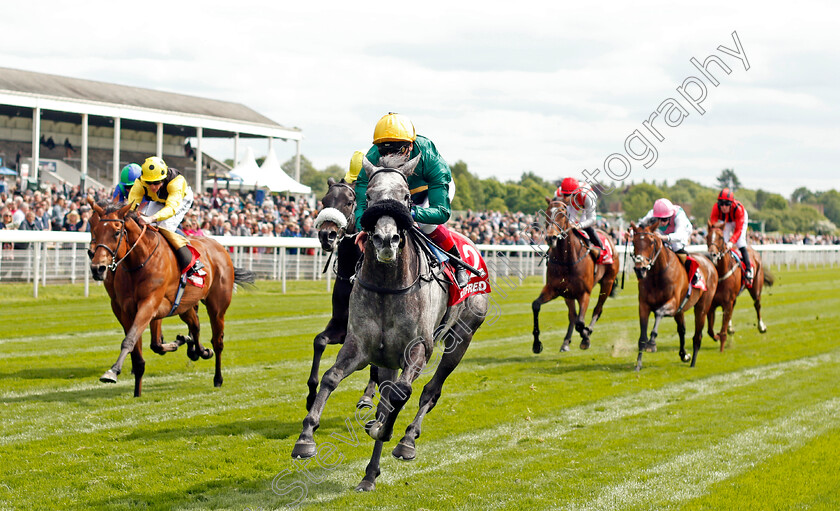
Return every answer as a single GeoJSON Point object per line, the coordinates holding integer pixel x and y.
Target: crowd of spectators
{"type": "Point", "coordinates": [64, 208]}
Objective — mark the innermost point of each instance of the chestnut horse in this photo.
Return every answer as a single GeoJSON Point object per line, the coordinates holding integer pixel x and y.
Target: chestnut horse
{"type": "Point", "coordinates": [572, 273]}
{"type": "Point", "coordinates": [730, 283]}
{"type": "Point", "coordinates": [141, 276]}
{"type": "Point", "coordinates": [336, 224]}
{"type": "Point", "coordinates": [663, 285]}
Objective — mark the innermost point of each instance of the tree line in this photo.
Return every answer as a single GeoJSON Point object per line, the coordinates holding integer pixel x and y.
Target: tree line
{"type": "Point", "coordinates": [800, 213]}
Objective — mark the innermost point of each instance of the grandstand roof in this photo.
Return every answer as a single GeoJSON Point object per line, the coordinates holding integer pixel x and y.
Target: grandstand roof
{"type": "Point", "coordinates": [61, 93]}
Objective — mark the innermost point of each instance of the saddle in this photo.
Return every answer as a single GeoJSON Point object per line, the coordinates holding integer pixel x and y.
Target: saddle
{"type": "Point", "coordinates": [606, 256]}
{"type": "Point", "coordinates": [695, 275]}
{"type": "Point", "coordinates": [737, 255]}
{"type": "Point", "coordinates": [478, 284]}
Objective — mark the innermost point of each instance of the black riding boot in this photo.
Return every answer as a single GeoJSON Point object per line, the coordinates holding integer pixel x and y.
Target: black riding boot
{"type": "Point", "coordinates": [462, 275]}
{"type": "Point", "coordinates": [595, 240]}
{"type": "Point", "coordinates": [184, 258]}
{"type": "Point", "coordinates": [747, 266]}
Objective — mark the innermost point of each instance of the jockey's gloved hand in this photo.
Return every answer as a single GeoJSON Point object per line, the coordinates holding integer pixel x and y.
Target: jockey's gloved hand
{"type": "Point", "coordinates": [729, 245]}
{"type": "Point", "coordinates": [147, 219]}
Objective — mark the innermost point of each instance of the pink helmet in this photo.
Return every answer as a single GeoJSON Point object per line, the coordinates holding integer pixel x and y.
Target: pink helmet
{"type": "Point", "coordinates": [663, 208]}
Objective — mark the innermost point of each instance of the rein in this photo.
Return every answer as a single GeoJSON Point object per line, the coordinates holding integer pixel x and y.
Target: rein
{"type": "Point", "coordinates": [114, 261]}
{"type": "Point", "coordinates": [720, 255]}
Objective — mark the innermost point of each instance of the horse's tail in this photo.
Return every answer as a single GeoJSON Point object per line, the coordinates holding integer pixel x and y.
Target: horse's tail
{"type": "Point", "coordinates": [242, 276]}
{"type": "Point", "coordinates": [769, 279]}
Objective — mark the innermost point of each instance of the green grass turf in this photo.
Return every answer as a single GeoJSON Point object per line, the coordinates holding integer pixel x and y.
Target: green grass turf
{"type": "Point", "coordinates": [755, 427]}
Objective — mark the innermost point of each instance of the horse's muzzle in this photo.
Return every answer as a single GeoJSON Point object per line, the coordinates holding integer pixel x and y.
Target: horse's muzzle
{"type": "Point", "coordinates": [640, 273]}
{"type": "Point", "coordinates": [328, 239]}
{"type": "Point", "coordinates": [97, 271]}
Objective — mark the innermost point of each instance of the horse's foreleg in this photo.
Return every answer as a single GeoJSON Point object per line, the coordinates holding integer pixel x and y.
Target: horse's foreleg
{"type": "Point", "coordinates": [398, 393]}
{"type": "Point", "coordinates": [138, 367]}
{"type": "Point", "coordinates": [350, 359]}
{"type": "Point", "coordinates": [405, 449]}
{"type": "Point", "coordinates": [372, 469]}
{"type": "Point", "coordinates": [710, 320]}
{"type": "Point", "coordinates": [548, 293]}
{"type": "Point", "coordinates": [141, 320]}
{"type": "Point", "coordinates": [580, 321]}
{"type": "Point", "coordinates": [572, 315]}
{"type": "Point", "coordinates": [318, 346]}
{"type": "Point", "coordinates": [644, 316]}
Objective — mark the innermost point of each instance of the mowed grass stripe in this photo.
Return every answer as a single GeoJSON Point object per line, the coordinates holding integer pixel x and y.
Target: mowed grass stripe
{"type": "Point", "coordinates": [491, 442]}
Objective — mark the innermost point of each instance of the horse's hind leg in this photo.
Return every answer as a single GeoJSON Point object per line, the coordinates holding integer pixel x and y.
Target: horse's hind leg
{"type": "Point", "coordinates": [758, 282]}
{"type": "Point", "coordinates": [455, 347]}
{"type": "Point", "coordinates": [194, 348]}
{"type": "Point", "coordinates": [138, 367]}
{"type": "Point", "coordinates": [216, 311]}
{"type": "Point", "coordinates": [726, 319]}
{"type": "Point", "coordinates": [157, 345]}
{"type": "Point", "coordinates": [607, 285]}
{"type": "Point", "coordinates": [350, 359]}
{"type": "Point", "coordinates": [372, 469]}
{"type": "Point", "coordinates": [680, 320]}
{"type": "Point", "coordinates": [366, 401]}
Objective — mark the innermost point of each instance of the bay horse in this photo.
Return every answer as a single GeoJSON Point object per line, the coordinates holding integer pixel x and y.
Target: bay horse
{"type": "Point", "coordinates": [336, 224]}
{"type": "Point", "coordinates": [663, 285]}
{"type": "Point", "coordinates": [141, 276]}
{"type": "Point", "coordinates": [731, 284]}
{"type": "Point", "coordinates": [572, 274]}
{"type": "Point", "coordinates": [397, 313]}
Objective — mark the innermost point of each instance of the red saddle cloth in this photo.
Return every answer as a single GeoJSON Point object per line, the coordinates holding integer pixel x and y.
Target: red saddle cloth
{"type": "Point", "coordinates": [478, 284]}
{"type": "Point", "coordinates": [737, 255]}
{"type": "Point", "coordinates": [694, 270]}
{"type": "Point", "coordinates": [606, 256]}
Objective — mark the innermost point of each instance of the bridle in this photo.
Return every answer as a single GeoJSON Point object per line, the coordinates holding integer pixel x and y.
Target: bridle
{"type": "Point", "coordinates": [720, 255]}
{"type": "Point", "coordinates": [114, 262]}
{"type": "Point", "coordinates": [640, 259]}
{"type": "Point", "coordinates": [563, 233]}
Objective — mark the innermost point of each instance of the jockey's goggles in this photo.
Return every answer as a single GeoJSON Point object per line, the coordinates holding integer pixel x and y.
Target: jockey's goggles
{"type": "Point", "coordinates": [386, 148]}
{"type": "Point", "coordinates": [724, 203]}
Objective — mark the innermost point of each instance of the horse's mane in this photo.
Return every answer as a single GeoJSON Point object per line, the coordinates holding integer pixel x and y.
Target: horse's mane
{"type": "Point", "coordinates": [111, 207]}
{"type": "Point", "coordinates": [647, 223]}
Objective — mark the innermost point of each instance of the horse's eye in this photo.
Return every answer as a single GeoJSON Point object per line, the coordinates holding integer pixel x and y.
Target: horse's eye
{"type": "Point", "coordinates": [407, 197]}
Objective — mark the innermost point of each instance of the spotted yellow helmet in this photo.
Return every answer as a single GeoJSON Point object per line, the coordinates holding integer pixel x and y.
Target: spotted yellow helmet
{"type": "Point", "coordinates": [394, 128]}
{"type": "Point", "coordinates": [355, 167]}
{"type": "Point", "coordinates": [154, 170]}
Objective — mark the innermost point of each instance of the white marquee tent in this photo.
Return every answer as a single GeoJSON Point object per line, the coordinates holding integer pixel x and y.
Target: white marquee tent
{"type": "Point", "coordinates": [247, 174]}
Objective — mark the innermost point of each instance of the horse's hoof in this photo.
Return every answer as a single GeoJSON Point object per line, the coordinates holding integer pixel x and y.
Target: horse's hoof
{"type": "Point", "coordinates": [304, 449]}
{"type": "Point", "coordinates": [366, 486]}
{"type": "Point", "coordinates": [364, 403]}
{"type": "Point", "coordinates": [180, 340]}
{"type": "Point", "coordinates": [206, 354]}
{"type": "Point", "coordinates": [565, 346]}
{"type": "Point", "coordinates": [218, 383]}
{"type": "Point", "coordinates": [404, 452]}
{"type": "Point", "coordinates": [376, 430]}
{"type": "Point", "coordinates": [762, 328]}
{"type": "Point", "coordinates": [685, 357]}
{"type": "Point", "coordinates": [650, 348]}
{"type": "Point", "coordinates": [537, 347]}
{"type": "Point", "coordinates": [109, 377]}
{"type": "Point", "coordinates": [584, 344]}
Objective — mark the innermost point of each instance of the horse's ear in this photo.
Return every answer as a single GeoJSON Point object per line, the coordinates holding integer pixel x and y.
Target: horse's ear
{"type": "Point", "coordinates": [710, 225]}
{"type": "Point", "coordinates": [330, 181]}
{"type": "Point", "coordinates": [548, 199]}
{"type": "Point", "coordinates": [124, 210]}
{"type": "Point", "coordinates": [369, 167]}
{"type": "Point", "coordinates": [96, 207]}
{"type": "Point", "coordinates": [409, 166]}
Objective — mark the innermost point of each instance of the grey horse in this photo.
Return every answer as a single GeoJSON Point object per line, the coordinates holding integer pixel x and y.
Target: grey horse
{"type": "Point", "coordinates": [397, 313]}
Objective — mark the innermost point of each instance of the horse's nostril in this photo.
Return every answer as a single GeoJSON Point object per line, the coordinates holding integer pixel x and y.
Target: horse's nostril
{"type": "Point", "coordinates": [395, 239]}
{"type": "Point", "coordinates": [332, 235]}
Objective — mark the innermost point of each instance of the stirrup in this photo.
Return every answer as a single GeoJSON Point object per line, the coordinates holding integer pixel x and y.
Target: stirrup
{"type": "Point", "coordinates": [462, 276]}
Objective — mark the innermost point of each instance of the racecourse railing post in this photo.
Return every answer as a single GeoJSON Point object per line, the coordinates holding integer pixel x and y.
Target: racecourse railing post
{"type": "Point", "coordinates": [44, 276]}
{"type": "Point", "coordinates": [37, 255]}
{"type": "Point", "coordinates": [283, 269]}
{"type": "Point", "coordinates": [73, 265]}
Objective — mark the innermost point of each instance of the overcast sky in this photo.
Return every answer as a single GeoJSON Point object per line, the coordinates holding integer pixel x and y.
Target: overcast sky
{"type": "Point", "coordinates": [506, 87]}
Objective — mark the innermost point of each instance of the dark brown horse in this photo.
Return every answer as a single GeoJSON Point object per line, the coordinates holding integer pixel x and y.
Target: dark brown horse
{"type": "Point", "coordinates": [141, 276]}
{"type": "Point", "coordinates": [336, 224]}
{"type": "Point", "coordinates": [572, 273]}
{"type": "Point", "coordinates": [663, 285]}
{"type": "Point", "coordinates": [730, 283]}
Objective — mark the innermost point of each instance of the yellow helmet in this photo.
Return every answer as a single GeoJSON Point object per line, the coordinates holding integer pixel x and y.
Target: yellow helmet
{"type": "Point", "coordinates": [355, 167]}
{"type": "Point", "coordinates": [154, 170]}
{"type": "Point", "coordinates": [394, 128]}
